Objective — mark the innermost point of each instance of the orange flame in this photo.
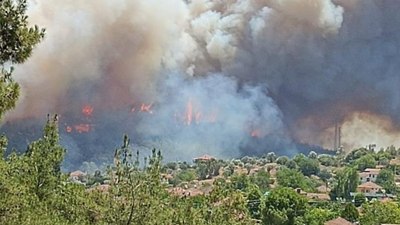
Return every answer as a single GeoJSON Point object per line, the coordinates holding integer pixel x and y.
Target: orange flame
{"type": "Point", "coordinates": [87, 110]}
{"type": "Point", "coordinates": [189, 113]}
{"type": "Point", "coordinates": [256, 133]}
{"type": "Point", "coordinates": [146, 108]}
{"type": "Point", "coordinates": [83, 128]}
{"type": "Point", "coordinates": [193, 114]}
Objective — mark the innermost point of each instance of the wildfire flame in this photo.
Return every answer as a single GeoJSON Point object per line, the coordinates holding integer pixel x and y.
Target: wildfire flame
{"type": "Point", "coordinates": [87, 110]}
{"type": "Point", "coordinates": [194, 115]}
{"type": "Point", "coordinates": [256, 133]}
{"type": "Point", "coordinates": [146, 108]}
{"type": "Point", "coordinates": [84, 127]}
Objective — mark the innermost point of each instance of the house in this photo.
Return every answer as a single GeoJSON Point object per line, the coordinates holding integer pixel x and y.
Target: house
{"type": "Point", "coordinates": [338, 221]}
{"type": "Point", "coordinates": [182, 192]}
{"type": "Point", "coordinates": [313, 197]}
{"type": "Point", "coordinates": [369, 175]}
{"type": "Point", "coordinates": [77, 177]}
{"type": "Point", "coordinates": [395, 162]}
{"type": "Point", "coordinates": [369, 188]}
{"type": "Point", "coordinates": [323, 189]}
{"type": "Point", "coordinates": [204, 158]}
{"type": "Point", "coordinates": [318, 197]}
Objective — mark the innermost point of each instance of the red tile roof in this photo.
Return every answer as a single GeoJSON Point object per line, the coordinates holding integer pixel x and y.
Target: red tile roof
{"type": "Point", "coordinates": [369, 185]}
{"type": "Point", "coordinates": [338, 221]}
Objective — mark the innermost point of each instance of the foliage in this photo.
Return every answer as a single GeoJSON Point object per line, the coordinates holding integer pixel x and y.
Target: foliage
{"type": "Point", "coordinates": [271, 157]}
{"type": "Point", "coordinates": [253, 201]}
{"type": "Point", "coordinates": [240, 181]}
{"type": "Point", "coordinates": [207, 169]}
{"type": "Point", "coordinates": [318, 216]}
{"type": "Point", "coordinates": [261, 179]}
{"type": "Point", "coordinates": [183, 176]}
{"type": "Point", "coordinates": [327, 160]}
{"type": "Point", "coordinates": [307, 166]}
{"type": "Point", "coordinates": [350, 213]}
{"type": "Point", "coordinates": [386, 180]}
{"type": "Point", "coordinates": [282, 206]}
{"type": "Point", "coordinates": [33, 189]}
{"type": "Point", "coordinates": [356, 154]}
{"type": "Point", "coordinates": [377, 213]}
{"type": "Point", "coordinates": [282, 160]}
{"type": "Point", "coordinates": [359, 199]}
{"type": "Point", "coordinates": [293, 178]}
{"type": "Point", "coordinates": [346, 182]}
{"type": "Point", "coordinates": [325, 175]}
{"type": "Point", "coordinates": [365, 161]}
{"type": "Point", "coordinates": [17, 41]}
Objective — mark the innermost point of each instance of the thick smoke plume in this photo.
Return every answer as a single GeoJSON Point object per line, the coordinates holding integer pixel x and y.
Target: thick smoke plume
{"type": "Point", "coordinates": [226, 77]}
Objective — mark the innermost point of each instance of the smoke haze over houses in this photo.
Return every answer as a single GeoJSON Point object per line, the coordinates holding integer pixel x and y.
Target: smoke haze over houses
{"type": "Point", "coordinates": [221, 77]}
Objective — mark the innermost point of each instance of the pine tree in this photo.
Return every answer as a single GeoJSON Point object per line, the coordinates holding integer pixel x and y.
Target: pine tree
{"type": "Point", "coordinates": [17, 40]}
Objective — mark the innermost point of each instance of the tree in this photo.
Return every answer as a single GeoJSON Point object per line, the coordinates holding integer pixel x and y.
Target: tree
{"type": "Point", "coordinates": [312, 155]}
{"type": "Point", "coordinates": [386, 180]}
{"type": "Point", "coordinates": [282, 160]}
{"type": "Point", "coordinates": [34, 189]}
{"type": "Point", "coordinates": [350, 213]}
{"type": "Point", "coordinates": [17, 41]}
{"type": "Point", "coordinates": [346, 181]}
{"type": "Point", "coordinates": [282, 206]}
{"type": "Point", "coordinates": [306, 165]}
{"type": "Point", "coordinates": [327, 160]}
{"type": "Point", "coordinates": [240, 182]}
{"type": "Point", "coordinates": [291, 164]}
{"type": "Point", "coordinates": [292, 178]}
{"type": "Point", "coordinates": [317, 216]}
{"type": "Point", "coordinates": [262, 180]}
{"type": "Point", "coordinates": [254, 201]}
{"type": "Point", "coordinates": [356, 154]}
{"type": "Point", "coordinates": [271, 157]}
{"type": "Point", "coordinates": [377, 213]}
{"type": "Point", "coordinates": [325, 175]}
{"type": "Point", "coordinates": [366, 161]}
{"type": "Point", "coordinates": [359, 199]}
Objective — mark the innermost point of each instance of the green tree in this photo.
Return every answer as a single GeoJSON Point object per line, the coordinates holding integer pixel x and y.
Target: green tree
{"type": "Point", "coordinates": [271, 157]}
{"type": "Point", "coordinates": [293, 178]}
{"type": "Point", "coordinates": [254, 201]}
{"type": "Point", "coordinates": [386, 180]}
{"type": "Point", "coordinates": [261, 179]}
{"type": "Point", "coordinates": [359, 199]}
{"type": "Point", "coordinates": [377, 213]}
{"type": "Point", "coordinates": [306, 165]}
{"type": "Point", "coordinates": [356, 154]}
{"type": "Point", "coordinates": [240, 181]}
{"type": "Point", "coordinates": [366, 161]}
{"type": "Point", "coordinates": [350, 213]}
{"type": "Point", "coordinates": [317, 216]}
{"type": "Point", "coordinates": [282, 160]}
{"type": "Point", "coordinates": [282, 206]}
{"type": "Point", "coordinates": [327, 160]}
{"type": "Point", "coordinates": [17, 40]}
{"type": "Point", "coordinates": [346, 181]}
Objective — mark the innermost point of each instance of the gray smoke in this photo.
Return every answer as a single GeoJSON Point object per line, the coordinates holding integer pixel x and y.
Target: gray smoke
{"type": "Point", "coordinates": [258, 75]}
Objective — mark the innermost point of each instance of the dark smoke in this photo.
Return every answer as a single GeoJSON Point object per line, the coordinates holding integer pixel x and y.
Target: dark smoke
{"type": "Point", "coordinates": [271, 75]}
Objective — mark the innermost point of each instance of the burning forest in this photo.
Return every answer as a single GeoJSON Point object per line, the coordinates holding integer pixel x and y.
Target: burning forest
{"type": "Point", "coordinates": [228, 78]}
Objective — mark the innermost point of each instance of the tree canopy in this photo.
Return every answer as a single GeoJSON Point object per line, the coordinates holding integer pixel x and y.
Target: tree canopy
{"type": "Point", "coordinates": [17, 40]}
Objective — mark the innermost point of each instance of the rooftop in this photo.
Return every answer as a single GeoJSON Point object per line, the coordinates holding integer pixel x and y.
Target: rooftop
{"type": "Point", "coordinates": [204, 158]}
{"type": "Point", "coordinates": [369, 185]}
{"type": "Point", "coordinates": [338, 221]}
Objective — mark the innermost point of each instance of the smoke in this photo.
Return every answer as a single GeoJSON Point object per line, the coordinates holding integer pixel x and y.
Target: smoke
{"type": "Point", "coordinates": [257, 75]}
